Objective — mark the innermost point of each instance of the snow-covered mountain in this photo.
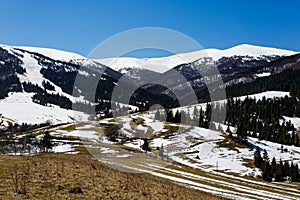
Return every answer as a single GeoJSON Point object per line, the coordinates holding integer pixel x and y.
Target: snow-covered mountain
{"type": "Point", "coordinates": [31, 75]}
{"type": "Point", "coordinates": [37, 84]}
{"type": "Point", "coordinates": [49, 52]}
{"type": "Point", "coordinates": [161, 65]}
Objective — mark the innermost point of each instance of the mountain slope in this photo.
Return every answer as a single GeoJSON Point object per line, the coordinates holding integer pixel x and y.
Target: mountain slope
{"type": "Point", "coordinates": [164, 64]}
{"type": "Point", "coordinates": [235, 72]}
{"type": "Point", "coordinates": [29, 78]}
{"type": "Point", "coordinates": [51, 53]}
{"type": "Point", "coordinates": [46, 76]}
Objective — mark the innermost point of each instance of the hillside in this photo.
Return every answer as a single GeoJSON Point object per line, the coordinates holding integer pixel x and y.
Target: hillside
{"type": "Point", "coordinates": [252, 148]}
{"type": "Point", "coordinates": [52, 176]}
{"type": "Point", "coordinates": [46, 76]}
{"type": "Point", "coordinates": [164, 64]}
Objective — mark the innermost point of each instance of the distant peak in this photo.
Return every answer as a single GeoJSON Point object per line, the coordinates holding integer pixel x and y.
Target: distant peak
{"type": "Point", "coordinates": [55, 54]}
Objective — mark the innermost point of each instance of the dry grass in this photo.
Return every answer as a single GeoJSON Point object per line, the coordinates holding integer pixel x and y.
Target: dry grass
{"type": "Point", "coordinates": [51, 176]}
{"type": "Point", "coordinates": [230, 143]}
{"type": "Point", "coordinates": [71, 127]}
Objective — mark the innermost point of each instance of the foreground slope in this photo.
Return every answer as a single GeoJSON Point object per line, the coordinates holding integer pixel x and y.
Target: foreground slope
{"type": "Point", "coordinates": [54, 175]}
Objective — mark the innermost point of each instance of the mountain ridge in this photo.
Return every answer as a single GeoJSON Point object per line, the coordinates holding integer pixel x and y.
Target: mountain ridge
{"type": "Point", "coordinates": [31, 72]}
{"type": "Point", "coordinates": [157, 63]}
{"type": "Point", "coordinates": [172, 61]}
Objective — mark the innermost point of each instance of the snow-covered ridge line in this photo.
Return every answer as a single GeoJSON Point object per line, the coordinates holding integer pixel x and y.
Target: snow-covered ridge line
{"type": "Point", "coordinates": [49, 52]}
{"type": "Point", "coordinates": [163, 64]}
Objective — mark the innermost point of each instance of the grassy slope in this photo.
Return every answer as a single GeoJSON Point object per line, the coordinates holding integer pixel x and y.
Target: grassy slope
{"type": "Point", "coordinates": [51, 176]}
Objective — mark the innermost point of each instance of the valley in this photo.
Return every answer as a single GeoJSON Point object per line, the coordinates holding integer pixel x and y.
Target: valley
{"type": "Point", "coordinates": [206, 146]}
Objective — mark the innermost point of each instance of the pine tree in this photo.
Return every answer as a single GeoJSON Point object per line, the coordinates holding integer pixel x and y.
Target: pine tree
{"type": "Point", "coordinates": [286, 169]}
{"type": "Point", "coordinates": [297, 175]}
{"type": "Point", "coordinates": [279, 174]}
{"type": "Point", "coordinates": [177, 117]}
{"type": "Point", "coordinates": [266, 167]}
{"type": "Point", "coordinates": [257, 158]}
{"type": "Point", "coordinates": [228, 130]}
{"type": "Point", "coordinates": [46, 141]}
{"type": "Point", "coordinates": [201, 118]}
{"type": "Point", "coordinates": [273, 167]}
{"type": "Point", "coordinates": [146, 146]}
{"type": "Point", "coordinates": [266, 156]}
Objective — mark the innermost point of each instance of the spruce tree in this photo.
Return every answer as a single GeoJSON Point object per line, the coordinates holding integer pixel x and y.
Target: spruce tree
{"type": "Point", "coordinates": [46, 141]}
{"type": "Point", "coordinates": [257, 158]}
{"type": "Point", "coordinates": [273, 167]}
{"type": "Point", "coordinates": [266, 167]}
{"type": "Point", "coordinates": [279, 175]}
{"type": "Point", "coordinates": [146, 146]}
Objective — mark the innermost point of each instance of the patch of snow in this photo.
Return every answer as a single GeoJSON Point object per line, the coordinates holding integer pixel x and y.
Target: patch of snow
{"type": "Point", "coordinates": [136, 144]}
{"type": "Point", "coordinates": [82, 134]}
{"type": "Point", "coordinates": [20, 108]}
{"type": "Point", "coordinates": [157, 126]}
{"type": "Point", "coordinates": [157, 142]}
{"type": "Point", "coordinates": [62, 148]}
{"type": "Point", "coordinates": [263, 74]}
{"type": "Point", "coordinates": [268, 94]}
{"type": "Point", "coordinates": [106, 150]}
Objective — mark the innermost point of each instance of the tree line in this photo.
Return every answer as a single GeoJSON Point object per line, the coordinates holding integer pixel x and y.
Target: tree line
{"type": "Point", "coordinates": [264, 119]}
{"type": "Point", "coordinates": [278, 171]}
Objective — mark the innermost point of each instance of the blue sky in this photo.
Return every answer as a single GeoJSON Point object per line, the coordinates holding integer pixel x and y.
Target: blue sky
{"type": "Point", "coordinates": [79, 25]}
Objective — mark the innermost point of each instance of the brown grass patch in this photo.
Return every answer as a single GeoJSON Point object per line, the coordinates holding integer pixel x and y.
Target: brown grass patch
{"type": "Point", "coordinates": [52, 176]}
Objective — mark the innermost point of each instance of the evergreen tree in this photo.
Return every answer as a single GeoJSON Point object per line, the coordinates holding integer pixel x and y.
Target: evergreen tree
{"type": "Point", "coordinates": [146, 146]}
{"type": "Point", "coordinates": [273, 167]}
{"type": "Point", "coordinates": [286, 169]}
{"type": "Point", "coordinates": [46, 141]}
{"type": "Point", "coordinates": [279, 174]}
{"type": "Point", "coordinates": [257, 158]}
{"type": "Point", "coordinates": [266, 156]}
{"type": "Point", "coordinates": [266, 167]}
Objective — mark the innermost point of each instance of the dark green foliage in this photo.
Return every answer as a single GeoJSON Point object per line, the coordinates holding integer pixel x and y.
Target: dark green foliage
{"type": "Point", "coordinates": [273, 167]}
{"type": "Point", "coordinates": [9, 84]}
{"type": "Point", "coordinates": [149, 98]}
{"type": "Point", "coordinates": [257, 158]}
{"type": "Point", "coordinates": [65, 80]}
{"type": "Point", "coordinates": [46, 141]}
{"type": "Point", "coordinates": [10, 66]}
{"type": "Point", "coordinates": [277, 171]}
{"type": "Point", "coordinates": [174, 118]}
{"type": "Point", "coordinates": [261, 118]}
{"type": "Point", "coordinates": [288, 81]}
{"type": "Point", "coordinates": [47, 85]}
{"type": "Point", "coordinates": [145, 145]}
{"type": "Point", "coordinates": [29, 87]}
{"type": "Point", "coordinates": [265, 167]}
{"type": "Point", "coordinates": [56, 99]}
